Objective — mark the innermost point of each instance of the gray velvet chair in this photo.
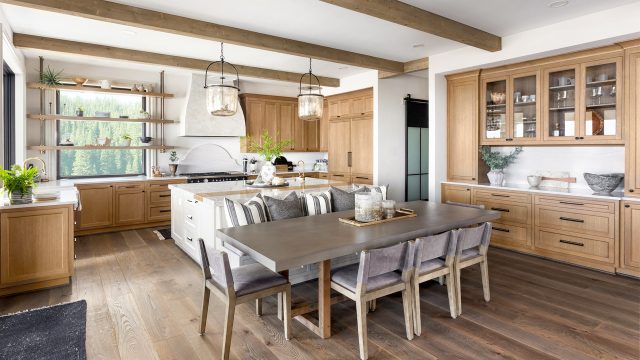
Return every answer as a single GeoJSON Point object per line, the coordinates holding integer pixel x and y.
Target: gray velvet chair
{"type": "Point", "coordinates": [381, 272]}
{"type": "Point", "coordinates": [428, 265]}
{"type": "Point", "coordinates": [240, 285]}
{"type": "Point", "coordinates": [471, 249]}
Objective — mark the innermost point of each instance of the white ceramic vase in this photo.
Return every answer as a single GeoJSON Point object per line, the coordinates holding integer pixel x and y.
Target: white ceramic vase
{"type": "Point", "coordinates": [267, 172]}
{"type": "Point", "coordinates": [496, 177]}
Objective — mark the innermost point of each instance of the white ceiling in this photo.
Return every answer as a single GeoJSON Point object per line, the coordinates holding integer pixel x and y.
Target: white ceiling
{"type": "Point", "coordinates": [306, 20]}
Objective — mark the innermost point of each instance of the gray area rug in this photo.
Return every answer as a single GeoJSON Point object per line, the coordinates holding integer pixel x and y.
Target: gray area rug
{"type": "Point", "coordinates": [56, 332]}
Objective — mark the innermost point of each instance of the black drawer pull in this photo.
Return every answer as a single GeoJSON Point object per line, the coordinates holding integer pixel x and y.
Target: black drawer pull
{"type": "Point", "coordinates": [571, 242]}
{"type": "Point", "coordinates": [362, 177]}
{"type": "Point", "coordinates": [189, 217]}
{"type": "Point", "coordinates": [165, 211]}
{"type": "Point", "coordinates": [189, 200]}
{"type": "Point", "coordinates": [570, 219]}
{"type": "Point", "coordinates": [500, 229]}
{"type": "Point", "coordinates": [500, 195]}
{"type": "Point", "coordinates": [627, 206]}
{"type": "Point", "coordinates": [500, 209]}
{"type": "Point", "coordinates": [571, 203]}
{"type": "Point", "coordinates": [190, 239]}
{"type": "Point", "coordinates": [169, 195]}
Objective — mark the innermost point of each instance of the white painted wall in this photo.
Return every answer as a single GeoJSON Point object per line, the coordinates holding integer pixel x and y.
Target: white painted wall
{"type": "Point", "coordinates": [391, 126]}
{"type": "Point", "coordinates": [579, 33]}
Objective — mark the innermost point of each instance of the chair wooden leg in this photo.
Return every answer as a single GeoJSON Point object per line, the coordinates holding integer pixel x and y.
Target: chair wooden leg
{"type": "Point", "coordinates": [417, 321]}
{"type": "Point", "coordinates": [287, 313]}
{"type": "Point", "coordinates": [458, 292]}
{"type": "Point", "coordinates": [372, 305]}
{"type": "Point", "coordinates": [361, 310]}
{"type": "Point", "coordinates": [205, 309]}
{"type": "Point", "coordinates": [484, 269]}
{"type": "Point", "coordinates": [407, 306]}
{"type": "Point", "coordinates": [451, 291]}
{"type": "Point", "coordinates": [441, 280]}
{"type": "Point", "coordinates": [259, 307]}
{"type": "Point", "coordinates": [280, 304]}
{"type": "Point", "coordinates": [228, 327]}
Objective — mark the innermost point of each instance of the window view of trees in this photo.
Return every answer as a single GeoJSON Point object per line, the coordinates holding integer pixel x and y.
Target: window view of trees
{"type": "Point", "coordinates": [83, 163]}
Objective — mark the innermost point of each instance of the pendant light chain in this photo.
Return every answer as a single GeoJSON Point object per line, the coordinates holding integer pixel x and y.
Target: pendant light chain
{"type": "Point", "coordinates": [222, 62]}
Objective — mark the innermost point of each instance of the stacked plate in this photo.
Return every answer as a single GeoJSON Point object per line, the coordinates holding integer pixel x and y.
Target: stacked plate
{"type": "Point", "coordinates": [45, 195]}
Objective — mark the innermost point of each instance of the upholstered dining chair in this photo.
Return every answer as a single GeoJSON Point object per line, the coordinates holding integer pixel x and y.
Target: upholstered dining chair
{"type": "Point", "coordinates": [471, 249]}
{"type": "Point", "coordinates": [240, 285]}
{"type": "Point", "coordinates": [380, 272]}
{"type": "Point", "coordinates": [429, 265]}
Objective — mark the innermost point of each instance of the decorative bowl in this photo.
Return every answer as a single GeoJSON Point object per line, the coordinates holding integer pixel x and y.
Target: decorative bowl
{"type": "Point", "coordinates": [534, 180]}
{"type": "Point", "coordinates": [498, 97]}
{"type": "Point", "coordinates": [145, 139]}
{"type": "Point", "coordinates": [79, 80]}
{"type": "Point", "coordinates": [603, 183]}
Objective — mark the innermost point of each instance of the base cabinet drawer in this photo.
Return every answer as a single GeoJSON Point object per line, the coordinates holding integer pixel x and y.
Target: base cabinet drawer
{"type": "Point", "coordinates": [511, 212]}
{"type": "Point", "coordinates": [575, 247]}
{"type": "Point", "coordinates": [503, 195]}
{"type": "Point", "coordinates": [362, 179]}
{"type": "Point", "coordinates": [159, 197]}
{"type": "Point", "coordinates": [511, 236]}
{"type": "Point", "coordinates": [587, 223]}
{"type": "Point", "coordinates": [160, 213]}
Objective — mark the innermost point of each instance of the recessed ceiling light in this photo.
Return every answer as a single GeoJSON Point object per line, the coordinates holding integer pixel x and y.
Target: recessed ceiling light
{"type": "Point", "coordinates": [557, 4]}
{"type": "Point", "coordinates": [415, 46]}
{"type": "Point", "coordinates": [129, 32]}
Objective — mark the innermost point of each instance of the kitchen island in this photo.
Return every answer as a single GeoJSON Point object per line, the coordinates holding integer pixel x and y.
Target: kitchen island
{"type": "Point", "coordinates": [197, 211]}
{"type": "Point", "coordinates": [36, 243]}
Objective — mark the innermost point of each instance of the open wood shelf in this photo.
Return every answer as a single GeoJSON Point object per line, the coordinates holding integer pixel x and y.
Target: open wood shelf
{"type": "Point", "coordinates": [43, 117]}
{"type": "Point", "coordinates": [95, 147]}
{"type": "Point", "coordinates": [40, 86]}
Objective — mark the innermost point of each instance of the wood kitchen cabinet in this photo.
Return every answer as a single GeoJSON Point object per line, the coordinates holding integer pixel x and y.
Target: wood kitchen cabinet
{"type": "Point", "coordinates": [351, 104]}
{"type": "Point", "coordinates": [97, 206]}
{"type": "Point", "coordinates": [632, 114]}
{"type": "Point", "coordinates": [339, 145]}
{"type": "Point", "coordinates": [456, 193]}
{"type": "Point", "coordinates": [630, 242]}
{"type": "Point", "coordinates": [323, 129]}
{"type": "Point", "coordinates": [36, 248]}
{"type": "Point", "coordinates": [130, 203]}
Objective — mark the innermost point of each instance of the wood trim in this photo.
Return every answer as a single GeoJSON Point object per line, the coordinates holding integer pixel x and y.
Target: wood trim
{"type": "Point", "coordinates": [121, 228]}
{"type": "Point", "coordinates": [73, 47]}
{"type": "Point", "coordinates": [409, 67]}
{"type": "Point", "coordinates": [44, 117]}
{"type": "Point", "coordinates": [422, 20]}
{"type": "Point", "coordinates": [154, 20]}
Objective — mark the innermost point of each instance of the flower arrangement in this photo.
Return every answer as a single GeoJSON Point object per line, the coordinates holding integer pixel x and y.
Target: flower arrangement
{"type": "Point", "coordinates": [497, 161]}
{"type": "Point", "coordinates": [173, 156]}
{"type": "Point", "coordinates": [270, 148]}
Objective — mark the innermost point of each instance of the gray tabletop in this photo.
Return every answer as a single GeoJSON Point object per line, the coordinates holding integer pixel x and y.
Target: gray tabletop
{"type": "Point", "coordinates": [286, 244]}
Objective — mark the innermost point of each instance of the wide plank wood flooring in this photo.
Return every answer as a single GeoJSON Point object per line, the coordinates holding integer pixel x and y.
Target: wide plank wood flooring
{"type": "Point", "coordinates": [144, 295]}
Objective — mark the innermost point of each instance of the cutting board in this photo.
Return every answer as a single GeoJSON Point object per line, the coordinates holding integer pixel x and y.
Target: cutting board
{"type": "Point", "coordinates": [554, 183]}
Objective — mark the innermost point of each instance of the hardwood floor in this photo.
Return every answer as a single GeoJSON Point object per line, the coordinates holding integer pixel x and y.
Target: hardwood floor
{"type": "Point", "coordinates": [144, 295]}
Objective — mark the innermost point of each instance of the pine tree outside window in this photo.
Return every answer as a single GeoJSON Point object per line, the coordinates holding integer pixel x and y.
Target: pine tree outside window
{"type": "Point", "coordinates": [99, 163]}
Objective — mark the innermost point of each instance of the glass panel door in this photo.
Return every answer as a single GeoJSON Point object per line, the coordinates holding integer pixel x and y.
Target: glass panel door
{"type": "Point", "coordinates": [601, 100]}
{"type": "Point", "coordinates": [562, 104]}
{"type": "Point", "coordinates": [525, 108]}
{"type": "Point", "coordinates": [495, 112]}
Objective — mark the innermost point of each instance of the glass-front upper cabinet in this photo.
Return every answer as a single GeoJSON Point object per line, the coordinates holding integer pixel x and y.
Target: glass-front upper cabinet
{"type": "Point", "coordinates": [525, 108]}
{"type": "Point", "coordinates": [561, 97]}
{"type": "Point", "coordinates": [601, 108]}
{"type": "Point", "coordinates": [494, 114]}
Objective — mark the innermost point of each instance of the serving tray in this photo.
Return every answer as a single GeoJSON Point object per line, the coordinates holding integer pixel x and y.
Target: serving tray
{"type": "Point", "coordinates": [400, 214]}
{"type": "Point", "coordinates": [265, 186]}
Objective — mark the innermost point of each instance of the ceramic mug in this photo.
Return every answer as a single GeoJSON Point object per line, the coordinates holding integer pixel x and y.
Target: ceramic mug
{"type": "Point", "coordinates": [525, 98]}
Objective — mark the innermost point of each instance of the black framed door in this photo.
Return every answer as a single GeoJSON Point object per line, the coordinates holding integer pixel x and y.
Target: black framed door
{"type": "Point", "coordinates": [9, 116]}
{"type": "Point", "coordinates": [417, 149]}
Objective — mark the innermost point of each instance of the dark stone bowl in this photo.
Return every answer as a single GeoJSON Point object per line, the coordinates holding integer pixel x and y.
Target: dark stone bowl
{"type": "Point", "coordinates": [603, 183]}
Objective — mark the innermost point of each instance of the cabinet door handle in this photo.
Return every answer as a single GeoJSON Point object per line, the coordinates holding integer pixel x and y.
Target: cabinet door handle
{"type": "Point", "coordinates": [165, 195]}
{"type": "Point", "coordinates": [571, 219]}
{"type": "Point", "coordinates": [571, 203]}
{"type": "Point", "coordinates": [577, 137]}
{"type": "Point", "coordinates": [571, 242]}
{"type": "Point", "coordinates": [190, 239]}
{"type": "Point", "coordinates": [500, 195]}
{"type": "Point", "coordinates": [501, 229]}
{"type": "Point", "coordinates": [627, 206]}
{"type": "Point", "coordinates": [500, 209]}
{"type": "Point", "coordinates": [362, 177]}
{"type": "Point", "coordinates": [189, 217]}
{"type": "Point", "coordinates": [165, 211]}
{"type": "Point", "coordinates": [630, 190]}
{"type": "Point", "coordinates": [349, 157]}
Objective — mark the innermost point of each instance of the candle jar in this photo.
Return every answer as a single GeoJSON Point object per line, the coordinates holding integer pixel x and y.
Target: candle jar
{"type": "Point", "coordinates": [364, 207]}
{"type": "Point", "coordinates": [389, 208]}
{"type": "Point", "coordinates": [378, 211]}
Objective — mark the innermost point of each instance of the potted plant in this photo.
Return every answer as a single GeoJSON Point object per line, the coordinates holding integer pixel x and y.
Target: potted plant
{"type": "Point", "coordinates": [126, 139]}
{"type": "Point", "coordinates": [173, 162]}
{"type": "Point", "coordinates": [269, 149]}
{"type": "Point", "coordinates": [79, 111]}
{"type": "Point", "coordinates": [50, 77]}
{"type": "Point", "coordinates": [18, 183]}
{"type": "Point", "coordinates": [497, 162]}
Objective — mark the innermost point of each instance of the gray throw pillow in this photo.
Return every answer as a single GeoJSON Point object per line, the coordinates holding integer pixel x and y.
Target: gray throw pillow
{"type": "Point", "coordinates": [288, 208]}
{"type": "Point", "coordinates": [342, 200]}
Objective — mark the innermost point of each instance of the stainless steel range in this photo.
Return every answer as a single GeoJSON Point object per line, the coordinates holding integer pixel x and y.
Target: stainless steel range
{"type": "Point", "coordinates": [207, 177]}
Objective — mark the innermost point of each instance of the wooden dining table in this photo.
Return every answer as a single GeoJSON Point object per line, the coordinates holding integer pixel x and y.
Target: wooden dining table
{"type": "Point", "coordinates": [287, 244]}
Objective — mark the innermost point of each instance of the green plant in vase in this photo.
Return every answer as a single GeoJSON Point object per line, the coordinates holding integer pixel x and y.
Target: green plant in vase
{"type": "Point", "coordinates": [269, 149]}
{"type": "Point", "coordinates": [18, 183]}
{"type": "Point", "coordinates": [50, 77]}
{"type": "Point", "coordinates": [126, 139]}
{"type": "Point", "coordinates": [497, 162]}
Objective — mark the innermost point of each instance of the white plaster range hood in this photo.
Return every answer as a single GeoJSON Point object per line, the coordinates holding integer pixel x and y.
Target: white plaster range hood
{"type": "Point", "coordinates": [195, 120]}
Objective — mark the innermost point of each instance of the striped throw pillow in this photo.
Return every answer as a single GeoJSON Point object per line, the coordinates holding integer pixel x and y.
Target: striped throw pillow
{"type": "Point", "coordinates": [251, 212]}
{"type": "Point", "coordinates": [318, 203]}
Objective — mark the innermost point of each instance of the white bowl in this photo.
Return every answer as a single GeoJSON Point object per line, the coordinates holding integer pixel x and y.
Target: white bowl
{"type": "Point", "coordinates": [534, 180]}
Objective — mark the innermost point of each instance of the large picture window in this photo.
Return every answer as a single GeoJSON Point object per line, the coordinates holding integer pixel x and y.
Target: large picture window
{"type": "Point", "coordinates": [99, 163]}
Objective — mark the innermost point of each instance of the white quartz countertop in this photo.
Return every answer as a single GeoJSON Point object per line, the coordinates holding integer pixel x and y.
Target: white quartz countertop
{"type": "Point", "coordinates": [578, 192]}
{"type": "Point", "coordinates": [72, 182]}
{"type": "Point", "coordinates": [68, 196]}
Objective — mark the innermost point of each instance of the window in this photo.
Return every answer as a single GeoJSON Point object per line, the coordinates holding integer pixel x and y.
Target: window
{"type": "Point", "coordinates": [9, 117]}
{"type": "Point", "coordinates": [99, 163]}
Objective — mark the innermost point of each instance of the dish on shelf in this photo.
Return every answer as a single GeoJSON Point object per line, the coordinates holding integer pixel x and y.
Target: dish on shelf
{"type": "Point", "coordinates": [79, 80]}
{"type": "Point", "coordinates": [40, 195]}
{"type": "Point", "coordinates": [498, 98]}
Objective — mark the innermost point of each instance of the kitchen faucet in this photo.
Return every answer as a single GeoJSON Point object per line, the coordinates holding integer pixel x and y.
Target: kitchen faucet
{"type": "Point", "coordinates": [43, 177]}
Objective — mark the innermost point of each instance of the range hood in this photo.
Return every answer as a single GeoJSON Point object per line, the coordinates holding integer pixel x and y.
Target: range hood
{"type": "Point", "coordinates": [195, 120]}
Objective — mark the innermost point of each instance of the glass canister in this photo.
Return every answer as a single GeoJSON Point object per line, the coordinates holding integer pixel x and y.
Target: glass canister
{"type": "Point", "coordinates": [364, 207]}
{"type": "Point", "coordinates": [389, 208]}
{"type": "Point", "coordinates": [378, 211]}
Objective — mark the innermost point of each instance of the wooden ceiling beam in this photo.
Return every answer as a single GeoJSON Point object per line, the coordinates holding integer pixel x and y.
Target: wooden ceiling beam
{"type": "Point", "coordinates": [154, 20]}
{"type": "Point", "coordinates": [410, 16]}
{"type": "Point", "coordinates": [409, 67]}
{"type": "Point", "coordinates": [109, 52]}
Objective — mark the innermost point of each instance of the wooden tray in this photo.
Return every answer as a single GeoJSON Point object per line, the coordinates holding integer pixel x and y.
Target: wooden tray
{"type": "Point", "coordinates": [400, 214]}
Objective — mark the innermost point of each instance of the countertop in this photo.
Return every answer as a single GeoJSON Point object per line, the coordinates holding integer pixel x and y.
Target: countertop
{"type": "Point", "coordinates": [68, 196]}
{"type": "Point", "coordinates": [578, 192]}
{"type": "Point", "coordinates": [72, 182]}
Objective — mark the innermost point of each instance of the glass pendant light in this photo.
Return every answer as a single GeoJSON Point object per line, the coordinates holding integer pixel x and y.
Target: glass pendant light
{"type": "Point", "coordinates": [222, 99]}
{"type": "Point", "coordinates": [310, 99]}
